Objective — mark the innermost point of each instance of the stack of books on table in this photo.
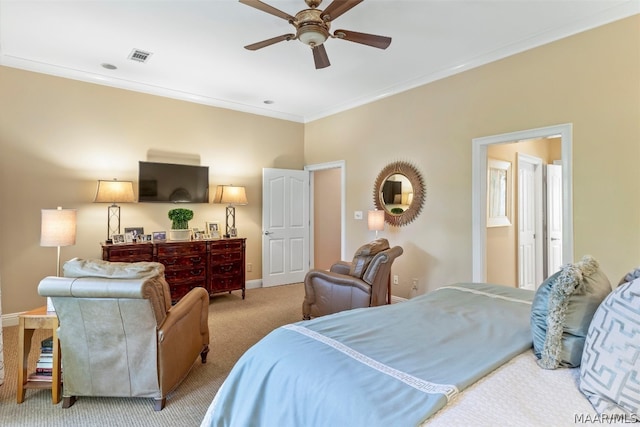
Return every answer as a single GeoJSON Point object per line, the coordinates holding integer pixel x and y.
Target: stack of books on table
{"type": "Point", "coordinates": [44, 366]}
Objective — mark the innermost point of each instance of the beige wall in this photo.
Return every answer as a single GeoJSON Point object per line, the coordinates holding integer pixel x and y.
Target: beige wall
{"type": "Point", "coordinates": [326, 217]}
{"type": "Point", "coordinates": [502, 242]}
{"type": "Point", "coordinates": [58, 137]}
{"type": "Point", "coordinates": [591, 80]}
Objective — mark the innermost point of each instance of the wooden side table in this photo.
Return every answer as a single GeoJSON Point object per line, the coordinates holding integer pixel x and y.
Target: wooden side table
{"type": "Point", "coordinates": [28, 322]}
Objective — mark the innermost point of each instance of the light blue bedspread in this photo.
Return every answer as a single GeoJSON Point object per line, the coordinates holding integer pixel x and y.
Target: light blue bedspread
{"type": "Point", "coordinates": [393, 365]}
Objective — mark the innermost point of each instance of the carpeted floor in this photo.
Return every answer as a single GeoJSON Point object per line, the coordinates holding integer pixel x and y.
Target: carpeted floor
{"type": "Point", "coordinates": [234, 326]}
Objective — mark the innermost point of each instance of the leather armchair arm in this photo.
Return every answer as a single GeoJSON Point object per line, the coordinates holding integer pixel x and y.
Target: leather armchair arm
{"type": "Point", "coordinates": [341, 267]}
{"type": "Point", "coordinates": [329, 292]}
{"type": "Point", "coordinates": [329, 278]}
{"type": "Point", "coordinates": [185, 309]}
{"type": "Point", "coordinates": [182, 337]}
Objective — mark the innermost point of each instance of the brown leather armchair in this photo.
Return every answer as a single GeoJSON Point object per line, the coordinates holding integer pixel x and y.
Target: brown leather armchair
{"type": "Point", "coordinates": [119, 334]}
{"type": "Point", "coordinates": [364, 282]}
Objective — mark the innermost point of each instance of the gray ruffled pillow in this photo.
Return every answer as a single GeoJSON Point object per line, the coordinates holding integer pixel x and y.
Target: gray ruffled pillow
{"type": "Point", "coordinates": [561, 312]}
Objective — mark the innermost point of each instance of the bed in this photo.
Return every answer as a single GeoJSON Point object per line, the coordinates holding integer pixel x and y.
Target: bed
{"type": "Point", "coordinates": [460, 355]}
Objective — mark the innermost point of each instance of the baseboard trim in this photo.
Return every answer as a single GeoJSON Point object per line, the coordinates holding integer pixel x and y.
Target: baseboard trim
{"type": "Point", "coordinates": [253, 284]}
{"type": "Point", "coordinates": [396, 299]}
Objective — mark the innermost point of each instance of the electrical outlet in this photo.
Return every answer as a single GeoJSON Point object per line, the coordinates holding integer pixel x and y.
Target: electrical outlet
{"type": "Point", "coordinates": [414, 284]}
{"type": "Point", "coordinates": [357, 215]}
{"type": "Point", "coordinates": [395, 279]}
{"type": "Point", "coordinates": [249, 267]}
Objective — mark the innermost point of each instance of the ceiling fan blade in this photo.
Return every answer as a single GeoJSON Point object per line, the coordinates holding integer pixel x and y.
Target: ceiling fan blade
{"type": "Point", "coordinates": [381, 42]}
{"type": "Point", "coordinates": [337, 8]}
{"type": "Point", "coordinates": [267, 8]}
{"type": "Point", "coordinates": [320, 57]}
{"type": "Point", "coordinates": [269, 42]}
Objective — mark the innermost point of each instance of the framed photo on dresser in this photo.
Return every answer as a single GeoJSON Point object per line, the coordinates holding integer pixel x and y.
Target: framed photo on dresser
{"type": "Point", "coordinates": [213, 229]}
{"type": "Point", "coordinates": [159, 235]}
{"type": "Point", "coordinates": [117, 238]}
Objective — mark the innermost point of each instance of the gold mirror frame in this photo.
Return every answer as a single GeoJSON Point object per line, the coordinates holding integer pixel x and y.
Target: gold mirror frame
{"type": "Point", "coordinates": [419, 193]}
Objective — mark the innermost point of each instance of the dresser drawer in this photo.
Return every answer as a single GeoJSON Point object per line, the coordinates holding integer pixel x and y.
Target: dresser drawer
{"type": "Point", "coordinates": [181, 249]}
{"type": "Point", "coordinates": [130, 253]}
{"type": "Point", "coordinates": [184, 261]}
{"type": "Point", "coordinates": [226, 268]}
{"type": "Point", "coordinates": [231, 245]}
{"type": "Point", "coordinates": [224, 284]}
{"type": "Point", "coordinates": [225, 257]}
{"type": "Point", "coordinates": [175, 275]}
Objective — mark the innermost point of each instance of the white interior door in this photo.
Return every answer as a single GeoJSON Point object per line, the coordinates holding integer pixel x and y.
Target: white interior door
{"type": "Point", "coordinates": [285, 226]}
{"type": "Point", "coordinates": [530, 260]}
{"type": "Point", "coordinates": [554, 218]}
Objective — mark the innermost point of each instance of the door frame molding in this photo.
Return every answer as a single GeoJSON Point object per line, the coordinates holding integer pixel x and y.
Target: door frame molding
{"type": "Point", "coordinates": [341, 164]}
{"type": "Point", "coordinates": [479, 190]}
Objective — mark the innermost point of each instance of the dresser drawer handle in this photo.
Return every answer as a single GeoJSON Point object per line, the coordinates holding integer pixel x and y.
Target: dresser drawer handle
{"type": "Point", "coordinates": [196, 272]}
{"type": "Point", "coordinates": [196, 260]}
{"type": "Point", "coordinates": [226, 268]}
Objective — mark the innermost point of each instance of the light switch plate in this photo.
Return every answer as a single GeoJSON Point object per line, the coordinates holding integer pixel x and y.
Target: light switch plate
{"type": "Point", "coordinates": [357, 215]}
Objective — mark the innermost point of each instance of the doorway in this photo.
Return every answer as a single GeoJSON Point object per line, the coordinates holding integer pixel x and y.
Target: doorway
{"type": "Point", "coordinates": [327, 213]}
{"type": "Point", "coordinates": [479, 191]}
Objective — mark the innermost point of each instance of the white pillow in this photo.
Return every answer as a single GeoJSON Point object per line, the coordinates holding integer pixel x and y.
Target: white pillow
{"type": "Point", "coordinates": [610, 369]}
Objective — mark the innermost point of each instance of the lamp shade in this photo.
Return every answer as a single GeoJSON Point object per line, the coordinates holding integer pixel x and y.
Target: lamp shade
{"type": "Point", "coordinates": [58, 227]}
{"type": "Point", "coordinates": [114, 192]}
{"type": "Point", "coordinates": [375, 220]}
{"type": "Point", "coordinates": [230, 195]}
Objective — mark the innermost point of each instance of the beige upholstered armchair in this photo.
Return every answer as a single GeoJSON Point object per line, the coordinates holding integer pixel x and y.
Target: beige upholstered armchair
{"type": "Point", "coordinates": [119, 334]}
{"type": "Point", "coordinates": [364, 282]}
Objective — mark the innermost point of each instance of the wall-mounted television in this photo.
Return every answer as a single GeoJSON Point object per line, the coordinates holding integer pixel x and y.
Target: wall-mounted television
{"type": "Point", "coordinates": [173, 183]}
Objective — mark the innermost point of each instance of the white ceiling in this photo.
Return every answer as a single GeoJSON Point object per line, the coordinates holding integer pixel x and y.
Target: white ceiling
{"type": "Point", "coordinates": [198, 55]}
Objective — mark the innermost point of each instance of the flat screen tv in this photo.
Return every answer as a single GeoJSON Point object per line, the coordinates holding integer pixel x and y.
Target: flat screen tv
{"type": "Point", "coordinates": [173, 183]}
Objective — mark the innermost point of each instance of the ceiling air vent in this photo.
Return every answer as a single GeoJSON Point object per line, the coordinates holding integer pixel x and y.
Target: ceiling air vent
{"type": "Point", "coordinates": [139, 55]}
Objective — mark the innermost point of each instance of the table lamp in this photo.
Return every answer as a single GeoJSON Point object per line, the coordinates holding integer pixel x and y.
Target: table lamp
{"type": "Point", "coordinates": [114, 192]}
{"type": "Point", "coordinates": [375, 220]}
{"type": "Point", "coordinates": [231, 196]}
{"type": "Point", "coordinates": [57, 229]}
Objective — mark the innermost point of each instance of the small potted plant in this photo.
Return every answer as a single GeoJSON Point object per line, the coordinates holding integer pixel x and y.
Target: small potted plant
{"type": "Point", "coordinates": [180, 223]}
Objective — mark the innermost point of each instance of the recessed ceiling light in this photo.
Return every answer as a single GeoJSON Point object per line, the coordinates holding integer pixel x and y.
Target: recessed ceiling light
{"type": "Point", "coordinates": [109, 66]}
{"type": "Point", "coordinates": [268, 101]}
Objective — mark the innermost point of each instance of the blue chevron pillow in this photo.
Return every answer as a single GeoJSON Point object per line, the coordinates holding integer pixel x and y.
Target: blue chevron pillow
{"type": "Point", "coordinates": [610, 369]}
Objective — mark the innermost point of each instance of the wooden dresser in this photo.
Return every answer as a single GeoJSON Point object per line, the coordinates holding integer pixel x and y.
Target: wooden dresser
{"type": "Point", "coordinates": [216, 265]}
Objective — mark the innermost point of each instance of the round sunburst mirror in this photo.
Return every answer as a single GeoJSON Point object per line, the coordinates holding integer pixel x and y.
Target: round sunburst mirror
{"type": "Point", "coordinates": [400, 192]}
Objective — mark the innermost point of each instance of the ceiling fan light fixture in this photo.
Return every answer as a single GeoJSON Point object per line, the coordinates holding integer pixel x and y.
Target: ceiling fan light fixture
{"type": "Point", "coordinates": [312, 35]}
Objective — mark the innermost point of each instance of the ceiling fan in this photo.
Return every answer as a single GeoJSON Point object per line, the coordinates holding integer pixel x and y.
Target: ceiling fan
{"type": "Point", "coordinates": [312, 28]}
